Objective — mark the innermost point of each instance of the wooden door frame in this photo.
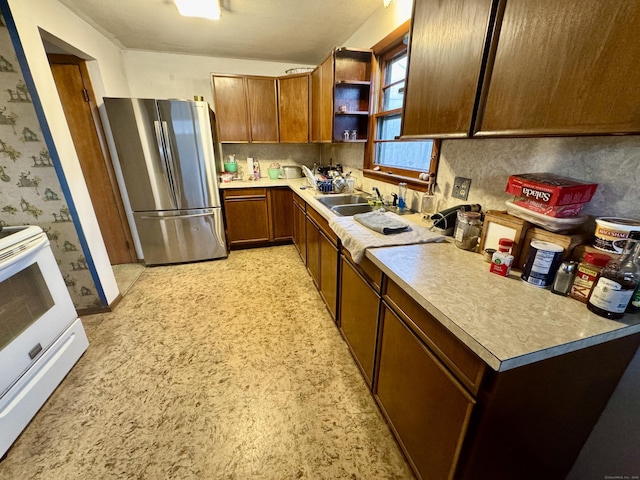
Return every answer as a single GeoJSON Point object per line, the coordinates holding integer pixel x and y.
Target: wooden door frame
{"type": "Point", "coordinates": [62, 59]}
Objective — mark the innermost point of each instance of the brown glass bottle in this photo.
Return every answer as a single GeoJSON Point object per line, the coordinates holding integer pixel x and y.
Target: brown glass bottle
{"type": "Point", "coordinates": [616, 282]}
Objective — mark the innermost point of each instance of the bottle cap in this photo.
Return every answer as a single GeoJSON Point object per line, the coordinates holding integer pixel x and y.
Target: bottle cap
{"type": "Point", "coordinates": [634, 235]}
{"type": "Point", "coordinates": [505, 242]}
{"type": "Point", "coordinates": [597, 259]}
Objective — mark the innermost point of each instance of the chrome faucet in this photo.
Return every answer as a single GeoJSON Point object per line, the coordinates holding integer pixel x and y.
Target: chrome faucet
{"type": "Point", "coordinates": [375, 189]}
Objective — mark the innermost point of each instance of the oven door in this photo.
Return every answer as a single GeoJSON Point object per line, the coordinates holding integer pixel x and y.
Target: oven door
{"type": "Point", "coordinates": [35, 307]}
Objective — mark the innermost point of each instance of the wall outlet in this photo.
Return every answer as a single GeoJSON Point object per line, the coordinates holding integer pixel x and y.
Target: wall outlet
{"type": "Point", "coordinates": [461, 188]}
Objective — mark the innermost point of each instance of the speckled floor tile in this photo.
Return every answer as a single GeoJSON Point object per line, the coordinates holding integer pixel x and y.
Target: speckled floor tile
{"type": "Point", "coordinates": [230, 369]}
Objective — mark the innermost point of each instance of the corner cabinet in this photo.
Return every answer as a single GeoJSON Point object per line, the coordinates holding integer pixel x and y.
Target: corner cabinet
{"type": "Point", "coordinates": [522, 68]}
{"type": "Point", "coordinates": [258, 216]}
{"type": "Point", "coordinates": [246, 108]}
{"type": "Point", "coordinates": [341, 91]}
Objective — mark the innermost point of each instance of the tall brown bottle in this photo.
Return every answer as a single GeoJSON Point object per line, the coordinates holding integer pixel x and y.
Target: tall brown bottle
{"type": "Point", "coordinates": [616, 282]}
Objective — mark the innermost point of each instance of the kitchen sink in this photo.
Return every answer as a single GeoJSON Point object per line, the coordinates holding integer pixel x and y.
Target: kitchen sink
{"type": "Point", "coordinates": [333, 200]}
{"type": "Point", "coordinates": [348, 210]}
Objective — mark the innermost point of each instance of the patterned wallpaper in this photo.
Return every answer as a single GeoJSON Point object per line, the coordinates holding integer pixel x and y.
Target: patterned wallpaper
{"type": "Point", "coordinates": [30, 192]}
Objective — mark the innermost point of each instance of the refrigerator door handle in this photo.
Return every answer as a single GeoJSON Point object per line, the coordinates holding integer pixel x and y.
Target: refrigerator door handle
{"type": "Point", "coordinates": [170, 164]}
{"type": "Point", "coordinates": [192, 215]}
{"type": "Point", "coordinates": [161, 139]}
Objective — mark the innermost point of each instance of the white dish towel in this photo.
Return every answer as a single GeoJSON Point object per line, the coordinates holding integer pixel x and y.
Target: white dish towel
{"type": "Point", "coordinates": [356, 238]}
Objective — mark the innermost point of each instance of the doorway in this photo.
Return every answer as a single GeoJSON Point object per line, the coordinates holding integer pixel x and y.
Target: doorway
{"type": "Point", "coordinates": [72, 81]}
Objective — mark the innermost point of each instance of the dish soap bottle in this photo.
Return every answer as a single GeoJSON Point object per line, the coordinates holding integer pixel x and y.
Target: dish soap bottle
{"type": "Point", "coordinates": [616, 282]}
{"type": "Point", "coordinates": [402, 196]}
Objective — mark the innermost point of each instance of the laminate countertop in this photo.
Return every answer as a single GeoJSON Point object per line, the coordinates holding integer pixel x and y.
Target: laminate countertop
{"type": "Point", "coordinates": [505, 321]}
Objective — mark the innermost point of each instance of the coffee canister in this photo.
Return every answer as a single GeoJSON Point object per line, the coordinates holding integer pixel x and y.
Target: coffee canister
{"type": "Point", "coordinates": [542, 263]}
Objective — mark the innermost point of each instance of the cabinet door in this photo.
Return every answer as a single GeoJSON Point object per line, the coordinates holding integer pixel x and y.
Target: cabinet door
{"type": "Point", "coordinates": [316, 94]}
{"type": "Point", "coordinates": [299, 230]}
{"type": "Point", "coordinates": [281, 212]}
{"type": "Point", "coordinates": [329, 273]}
{"type": "Point", "coordinates": [263, 109]}
{"type": "Point", "coordinates": [313, 251]}
{"type": "Point", "coordinates": [247, 216]}
{"type": "Point", "coordinates": [359, 305]}
{"type": "Point", "coordinates": [427, 408]}
{"type": "Point", "coordinates": [445, 63]}
{"type": "Point", "coordinates": [326, 101]}
{"type": "Point", "coordinates": [293, 104]}
{"type": "Point", "coordinates": [565, 68]}
{"type": "Point", "coordinates": [230, 105]}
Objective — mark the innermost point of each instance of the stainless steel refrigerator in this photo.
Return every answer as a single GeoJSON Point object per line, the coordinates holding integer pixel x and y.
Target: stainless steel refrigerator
{"type": "Point", "coordinates": [168, 152]}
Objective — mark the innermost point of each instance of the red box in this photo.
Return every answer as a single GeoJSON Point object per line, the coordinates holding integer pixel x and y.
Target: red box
{"type": "Point", "coordinates": [550, 189]}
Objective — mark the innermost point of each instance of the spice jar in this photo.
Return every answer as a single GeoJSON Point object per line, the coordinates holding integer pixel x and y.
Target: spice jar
{"type": "Point", "coordinates": [587, 272]}
{"type": "Point", "coordinates": [468, 228]}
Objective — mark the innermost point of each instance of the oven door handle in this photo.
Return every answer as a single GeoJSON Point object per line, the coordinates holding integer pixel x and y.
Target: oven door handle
{"type": "Point", "coordinates": [12, 257]}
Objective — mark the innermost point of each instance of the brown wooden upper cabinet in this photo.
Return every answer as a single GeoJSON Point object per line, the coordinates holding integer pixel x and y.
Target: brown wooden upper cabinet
{"type": "Point", "coordinates": [293, 106]}
{"type": "Point", "coordinates": [522, 68]}
{"type": "Point", "coordinates": [246, 108]}
{"type": "Point", "coordinates": [341, 90]}
{"type": "Point", "coordinates": [322, 101]}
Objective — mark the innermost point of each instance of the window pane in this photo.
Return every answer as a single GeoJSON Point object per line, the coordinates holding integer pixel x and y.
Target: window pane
{"type": "Point", "coordinates": [388, 127]}
{"type": "Point", "coordinates": [396, 69]}
{"type": "Point", "coordinates": [393, 96]}
{"type": "Point", "coordinates": [410, 155]}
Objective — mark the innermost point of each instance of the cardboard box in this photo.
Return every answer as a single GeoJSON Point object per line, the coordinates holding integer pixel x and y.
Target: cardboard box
{"type": "Point", "coordinates": [550, 189]}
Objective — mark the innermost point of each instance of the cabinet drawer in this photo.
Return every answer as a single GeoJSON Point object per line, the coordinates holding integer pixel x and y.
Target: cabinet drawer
{"type": "Point", "coordinates": [232, 193]}
{"type": "Point", "coordinates": [323, 224]}
{"type": "Point", "coordinates": [297, 199]}
{"type": "Point", "coordinates": [367, 269]}
{"type": "Point", "coordinates": [467, 367]}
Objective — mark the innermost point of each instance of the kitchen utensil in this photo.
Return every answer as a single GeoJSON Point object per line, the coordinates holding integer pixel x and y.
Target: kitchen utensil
{"type": "Point", "coordinates": [339, 184]}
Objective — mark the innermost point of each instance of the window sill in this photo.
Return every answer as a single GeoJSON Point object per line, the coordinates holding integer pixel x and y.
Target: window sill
{"type": "Point", "coordinates": [387, 177]}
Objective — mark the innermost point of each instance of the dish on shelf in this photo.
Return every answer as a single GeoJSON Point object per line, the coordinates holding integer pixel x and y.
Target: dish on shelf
{"type": "Point", "coordinates": [554, 224]}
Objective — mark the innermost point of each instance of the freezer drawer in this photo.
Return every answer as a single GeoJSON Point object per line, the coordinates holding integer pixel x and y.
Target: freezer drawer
{"type": "Point", "coordinates": [181, 235]}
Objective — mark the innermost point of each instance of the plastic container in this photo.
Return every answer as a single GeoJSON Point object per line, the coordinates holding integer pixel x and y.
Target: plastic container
{"type": "Point", "coordinates": [553, 224]}
{"type": "Point", "coordinates": [542, 263]}
{"type": "Point", "coordinates": [612, 232]}
{"type": "Point", "coordinates": [274, 173]}
{"type": "Point", "coordinates": [230, 167]}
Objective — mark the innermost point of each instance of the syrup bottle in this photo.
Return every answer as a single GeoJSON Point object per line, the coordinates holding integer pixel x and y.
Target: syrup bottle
{"type": "Point", "coordinates": [616, 282]}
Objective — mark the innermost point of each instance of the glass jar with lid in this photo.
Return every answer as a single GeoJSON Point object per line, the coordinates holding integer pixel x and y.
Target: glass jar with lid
{"type": "Point", "coordinates": [468, 230]}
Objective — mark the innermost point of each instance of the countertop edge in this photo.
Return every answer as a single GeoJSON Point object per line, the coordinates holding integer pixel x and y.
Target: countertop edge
{"type": "Point", "coordinates": [309, 195]}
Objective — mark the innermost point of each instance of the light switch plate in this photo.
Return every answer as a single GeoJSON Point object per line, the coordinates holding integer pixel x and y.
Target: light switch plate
{"type": "Point", "coordinates": [461, 188]}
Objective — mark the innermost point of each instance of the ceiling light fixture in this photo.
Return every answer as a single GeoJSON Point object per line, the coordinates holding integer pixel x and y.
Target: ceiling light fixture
{"type": "Point", "coordinates": [386, 3]}
{"type": "Point", "coordinates": [199, 8]}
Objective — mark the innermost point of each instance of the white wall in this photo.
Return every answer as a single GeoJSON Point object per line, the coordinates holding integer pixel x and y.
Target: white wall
{"type": "Point", "coordinates": [107, 76]}
{"type": "Point", "coordinates": [380, 24]}
{"type": "Point", "coordinates": [168, 75]}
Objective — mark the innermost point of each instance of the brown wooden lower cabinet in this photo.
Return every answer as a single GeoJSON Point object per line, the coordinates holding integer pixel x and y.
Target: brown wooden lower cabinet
{"type": "Point", "coordinates": [359, 304]}
{"type": "Point", "coordinates": [427, 408]}
{"type": "Point", "coordinates": [258, 216]}
{"type": "Point", "coordinates": [299, 227]}
{"type": "Point", "coordinates": [313, 250]}
{"type": "Point", "coordinates": [455, 417]}
{"type": "Point", "coordinates": [329, 268]}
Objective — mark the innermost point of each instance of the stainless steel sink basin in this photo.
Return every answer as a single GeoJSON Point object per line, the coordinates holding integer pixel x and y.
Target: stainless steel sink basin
{"type": "Point", "coordinates": [348, 210]}
{"type": "Point", "coordinates": [334, 200]}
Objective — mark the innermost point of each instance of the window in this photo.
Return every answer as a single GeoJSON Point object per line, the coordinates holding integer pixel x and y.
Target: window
{"type": "Point", "coordinates": [387, 156]}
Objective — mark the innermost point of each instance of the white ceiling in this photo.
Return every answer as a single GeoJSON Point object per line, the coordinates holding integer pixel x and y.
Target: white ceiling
{"type": "Point", "coordinates": [291, 31]}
